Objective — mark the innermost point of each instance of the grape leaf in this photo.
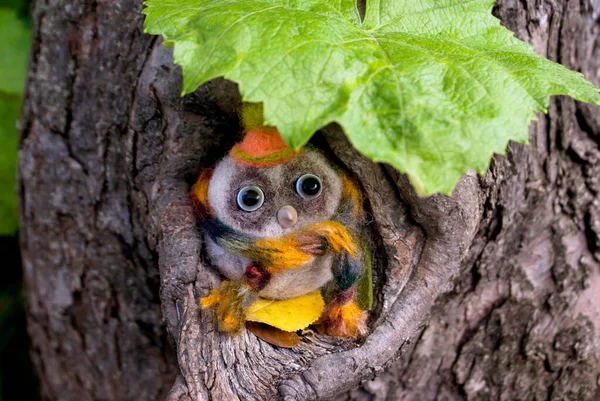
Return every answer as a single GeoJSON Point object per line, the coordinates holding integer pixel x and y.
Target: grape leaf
{"type": "Point", "coordinates": [432, 87]}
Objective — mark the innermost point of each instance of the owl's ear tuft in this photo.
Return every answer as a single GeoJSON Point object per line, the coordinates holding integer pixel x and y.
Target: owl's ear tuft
{"type": "Point", "coordinates": [199, 194]}
{"type": "Point", "coordinates": [352, 195]}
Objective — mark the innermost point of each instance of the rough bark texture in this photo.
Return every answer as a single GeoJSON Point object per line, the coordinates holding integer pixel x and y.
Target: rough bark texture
{"type": "Point", "coordinates": [112, 256]}
{"type": "Point", "coordinates": [91, 276]}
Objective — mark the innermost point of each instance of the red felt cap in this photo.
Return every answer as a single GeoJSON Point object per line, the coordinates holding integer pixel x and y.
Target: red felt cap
{"type": "Point", "coordinates": [262, 145]}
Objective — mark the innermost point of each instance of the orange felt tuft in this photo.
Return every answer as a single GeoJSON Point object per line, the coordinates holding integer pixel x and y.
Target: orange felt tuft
{"type": "Point", "coordinates": [212, 299]}
{"type": "Point", "coordinates": [199, 193]}
{"type": "Point", "coordinates": [227, 301]}
{"type": "Point", "coordinates": [346, 320]}
{"type": "Point", "coordinates": [351, 192]}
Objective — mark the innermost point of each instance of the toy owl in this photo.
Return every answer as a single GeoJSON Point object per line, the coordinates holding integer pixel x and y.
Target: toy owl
{"type": "Point", "coordinates": [283, 228]}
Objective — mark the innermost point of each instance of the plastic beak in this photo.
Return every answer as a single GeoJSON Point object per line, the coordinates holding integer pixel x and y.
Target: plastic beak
{"type": "Point", "coordinates": [287, 216]}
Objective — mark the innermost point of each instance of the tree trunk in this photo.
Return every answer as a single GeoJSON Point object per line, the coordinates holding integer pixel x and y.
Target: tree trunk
{"type": "Point", "coordinates": [489, 294]}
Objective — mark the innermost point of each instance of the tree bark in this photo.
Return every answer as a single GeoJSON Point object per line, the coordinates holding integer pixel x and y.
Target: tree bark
{"type": "Point", "coordinates": [488, 294]}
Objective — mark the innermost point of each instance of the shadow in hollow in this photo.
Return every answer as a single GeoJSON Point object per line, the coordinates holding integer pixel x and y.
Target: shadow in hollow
{"type": "Point", "coordinates": [17, 377]}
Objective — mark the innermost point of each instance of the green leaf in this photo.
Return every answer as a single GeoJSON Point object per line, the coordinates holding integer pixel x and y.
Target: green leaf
{"type": "Point", "coordinates": [16, 37]}
{"type": "Point", "coordinates": [432, 87]}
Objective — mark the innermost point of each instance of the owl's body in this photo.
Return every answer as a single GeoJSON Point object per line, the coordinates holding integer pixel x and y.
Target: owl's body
{"type": "Point", "coordinates": [278, 185]}
{"type": "Point", "coordinates": [285, 285]}
{"type": "Point", "coordinates": [281, 225]}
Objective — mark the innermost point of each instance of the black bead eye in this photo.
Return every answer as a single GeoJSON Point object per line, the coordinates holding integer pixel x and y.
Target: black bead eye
{"type": "Point", "coordinates": [250, 198]}
{"type": "Point", "coordinates": [309, 186]}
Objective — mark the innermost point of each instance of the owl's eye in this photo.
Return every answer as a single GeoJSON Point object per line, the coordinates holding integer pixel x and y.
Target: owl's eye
{"type": "Point", "coordinates": [250, 198]}
{"type": "Point", "coordinates": [309, 186]}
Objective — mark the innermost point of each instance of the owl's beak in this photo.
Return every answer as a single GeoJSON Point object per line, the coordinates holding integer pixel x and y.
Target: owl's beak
{"type": "Point", "coordinates": [287, 217]}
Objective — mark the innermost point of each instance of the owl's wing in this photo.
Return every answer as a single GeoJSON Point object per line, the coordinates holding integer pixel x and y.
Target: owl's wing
{"type": "Point", "coordinates": [364, 287]}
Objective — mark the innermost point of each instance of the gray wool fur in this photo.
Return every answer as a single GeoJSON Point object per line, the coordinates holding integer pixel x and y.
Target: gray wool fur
{"type": "Point", "coordinates": [278, 184]}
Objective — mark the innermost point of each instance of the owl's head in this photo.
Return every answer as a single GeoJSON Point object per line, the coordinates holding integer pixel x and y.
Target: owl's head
{"type": "Point", "coordinates": [264, 188]}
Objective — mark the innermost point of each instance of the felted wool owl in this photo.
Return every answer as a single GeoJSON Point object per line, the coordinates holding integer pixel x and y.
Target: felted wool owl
{"type": "Point", "coordinates": [283, 228]}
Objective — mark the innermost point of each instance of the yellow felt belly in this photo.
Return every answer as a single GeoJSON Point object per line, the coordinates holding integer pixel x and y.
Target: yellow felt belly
{"type": "Point", "coordinates": [289, 314]}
